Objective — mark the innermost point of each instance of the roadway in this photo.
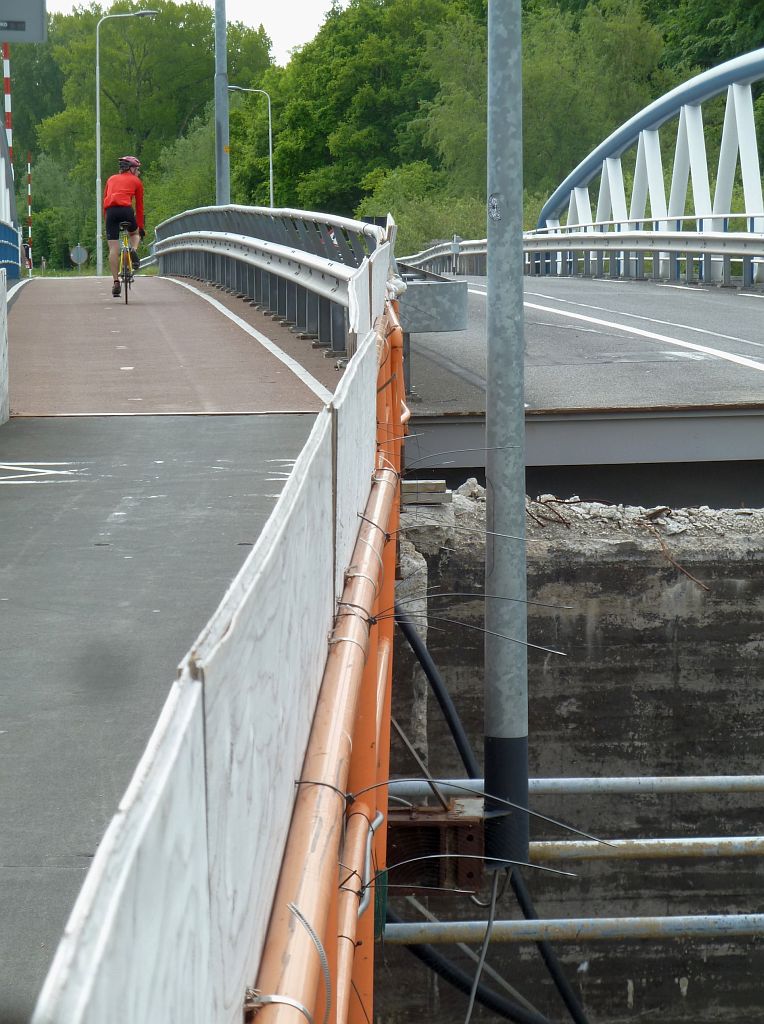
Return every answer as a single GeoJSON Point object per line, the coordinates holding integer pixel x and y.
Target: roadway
{"type": "Point", "coordinates": [676, 374]}
{"type": "Point", "coordinates": [147, 448]}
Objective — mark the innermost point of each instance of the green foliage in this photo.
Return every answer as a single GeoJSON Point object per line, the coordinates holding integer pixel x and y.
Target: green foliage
{"type": "Point", "coordinates": [703, 33]}
{"type": "Point", "coordinates": [455, 120]}
{"type": "Point", "coordinates": [582, 78]}
{"type": "Point", "coordinates": [156, 78]}
{"type": "Point", "coordinates": [423, 205]}
{"type": "Point", "coordinates": [184, 175]}
{"type": "Point", "coordinates": [51, 238]}
{"type": "Point", "coordinates": [343, 105]}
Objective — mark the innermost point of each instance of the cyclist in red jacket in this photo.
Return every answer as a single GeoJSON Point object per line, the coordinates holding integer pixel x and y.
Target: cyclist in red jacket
{"type": "Point", "coordinates": [118, 197]}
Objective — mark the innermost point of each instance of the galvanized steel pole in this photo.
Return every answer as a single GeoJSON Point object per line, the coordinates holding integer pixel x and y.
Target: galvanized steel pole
{"type": "Point", "coordinates": [418, 790]}
{"type": "Point", "coordinates": [582, 929]}
{"type": "Point", "coordinates": [506, 669]}
{"type": "Point", "coordinates": [222, 161]}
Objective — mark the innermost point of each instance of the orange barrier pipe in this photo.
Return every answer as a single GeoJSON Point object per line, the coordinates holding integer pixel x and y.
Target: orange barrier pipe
{"type": "Point", "coordinates": [366, 745]}
{"type": "Point", "coordinates": [351, 884]}
{"type": "Point", "coordinates": [384, 668]}
{"type": "Point", "coordinates": [291, 965]}
{"type": "Point", "coordinates": [387, 600]}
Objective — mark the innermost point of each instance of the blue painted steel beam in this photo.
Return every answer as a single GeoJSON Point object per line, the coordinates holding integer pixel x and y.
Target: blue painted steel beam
{"type": "Point", "coordinates": [740, 71]}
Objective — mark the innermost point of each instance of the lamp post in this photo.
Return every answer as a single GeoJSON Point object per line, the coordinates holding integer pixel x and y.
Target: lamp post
{"type": "Point", "coordinates": [99, 216]}
{"type": "Point", "coordinates": [240, 88]}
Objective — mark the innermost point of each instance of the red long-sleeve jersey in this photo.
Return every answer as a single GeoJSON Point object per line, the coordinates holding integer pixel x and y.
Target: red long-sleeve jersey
{"type": "Point", "coordinates": [119, 191]}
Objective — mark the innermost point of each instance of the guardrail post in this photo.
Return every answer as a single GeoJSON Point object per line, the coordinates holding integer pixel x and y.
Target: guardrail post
{"type": "Point", "coordinates": [311, 314]}
{"type": "Point", "coordinates": [689, 270]}
{"type": "Point", "coordinates": [726, 271]}
{"type": "Point", "coordinates": [281, 297]}
{"type": "Point", "coordinates": [291, 302]}
{"type": "Point", "coordinates": [747, 271]}
{"type": "Point", "coordinates": [300, 313]}
{"type": "Point", "coordinates": [339, 321]}
{"type": "Point", "coordinates": [324, 322]}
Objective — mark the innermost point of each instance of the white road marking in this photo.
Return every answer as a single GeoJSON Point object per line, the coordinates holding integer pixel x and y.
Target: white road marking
{"type": "Point", "coordinates": [16, 287]}
{"type": "Point", "coordinates": [749, 295]}
{"type": "Point", "coordinates": [752, 364]}
{"type": "Point", "coordinates": [583, 330]}
{"type": "Point", "coordinates": [35, 472]}
{"type": "Point", "coordinates": [650, 319]}
{"type": "Point", "coordinates": [679, 287]}
{"type": "Point", "coordinates": [299, 371]}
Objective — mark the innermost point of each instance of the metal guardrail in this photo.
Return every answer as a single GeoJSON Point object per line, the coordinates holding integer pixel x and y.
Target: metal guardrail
{"type": "Point", "coordinates": [713, 256]}
{"type": "Point", "coordinates": [717, 257]}
{"type": "Point", "coordinates": [455, 257]}
{"type": "Point", "coordinates": [307, 269]}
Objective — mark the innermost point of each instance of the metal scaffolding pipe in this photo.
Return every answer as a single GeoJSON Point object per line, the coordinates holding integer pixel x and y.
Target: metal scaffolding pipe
{"type": "Point", "coordinates": [647, 849]}
{"type": "Point", "coordinates": [579, 929]}
{"type": "Point", "coordinates": [417, 791]}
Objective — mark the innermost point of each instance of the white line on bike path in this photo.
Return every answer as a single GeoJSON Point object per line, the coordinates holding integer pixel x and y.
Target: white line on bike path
{"type": "Point", "coordinates": [752, 364]}
{"type": "Point", "coordinates": [308, 379]}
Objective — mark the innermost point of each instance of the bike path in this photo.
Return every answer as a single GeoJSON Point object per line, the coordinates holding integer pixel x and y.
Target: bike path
{"type": "Point", "coordinates": [120, 534]}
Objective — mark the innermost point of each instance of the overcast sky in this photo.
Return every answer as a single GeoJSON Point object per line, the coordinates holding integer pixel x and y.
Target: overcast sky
{"type": "Point", "coordinates": [288, 22]}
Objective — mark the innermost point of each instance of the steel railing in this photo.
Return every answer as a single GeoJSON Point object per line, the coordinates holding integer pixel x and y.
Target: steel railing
{"type": "Point", "coordinates": [607, 250]}
{"type": "Point", "coordinates": [312, 271]}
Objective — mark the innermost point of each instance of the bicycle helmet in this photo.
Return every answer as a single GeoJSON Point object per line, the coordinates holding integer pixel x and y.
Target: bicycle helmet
{"type": "Point", "coordinates": [128, 161]}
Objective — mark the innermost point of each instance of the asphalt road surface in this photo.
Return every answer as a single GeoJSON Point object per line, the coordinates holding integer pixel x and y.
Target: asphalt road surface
{"type": "Point", "coordinates": [601, 344]}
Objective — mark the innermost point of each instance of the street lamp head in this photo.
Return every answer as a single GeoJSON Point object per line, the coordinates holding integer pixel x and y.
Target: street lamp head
{"type": "Point", "coordinates": [145, 14]}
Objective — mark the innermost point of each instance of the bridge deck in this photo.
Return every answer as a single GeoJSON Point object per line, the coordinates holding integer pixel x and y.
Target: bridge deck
{"type": "Point", "coordinates": [672, 374]}
{"type": "Point", "coordinates": [120, 535]}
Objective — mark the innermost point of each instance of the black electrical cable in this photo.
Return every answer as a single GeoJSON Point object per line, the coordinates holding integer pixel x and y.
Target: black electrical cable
{"type": "Point", "coordinates": [472, 768]}
{"type": "Point", "coordinates": [440, 692]}
{"type": "Point", "coordinates": [463, 981]}
{"type": "Point", "coordinates": [548, 954]}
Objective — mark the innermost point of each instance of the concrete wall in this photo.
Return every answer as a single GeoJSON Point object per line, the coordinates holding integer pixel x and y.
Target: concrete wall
{"type": "Point", "coordinates": [663, 675]}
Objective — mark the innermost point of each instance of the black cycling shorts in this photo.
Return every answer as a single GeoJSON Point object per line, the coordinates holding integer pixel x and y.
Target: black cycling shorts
{"type": "Point", "coordinates": [114, 217]}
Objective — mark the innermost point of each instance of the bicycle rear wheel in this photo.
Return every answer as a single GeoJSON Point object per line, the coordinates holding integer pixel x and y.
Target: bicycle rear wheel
{"type": "Point", "coordinates": [125, 271]}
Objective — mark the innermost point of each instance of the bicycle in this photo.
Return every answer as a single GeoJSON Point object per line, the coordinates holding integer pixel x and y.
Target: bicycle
{"type": "Point", "coordinates": [125, 257]}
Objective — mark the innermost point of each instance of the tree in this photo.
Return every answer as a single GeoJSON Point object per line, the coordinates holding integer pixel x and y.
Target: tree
{"type": "Point", "coordinates": [156, 77]}
{"type": "Point", "coordinates": [701, 34]}
{"type": "Point", "coordinates": [455, 120]}
{"type": "Point", "coordinates": [184, 175]}
{"type": "Point", "coordinates": [344, 105]}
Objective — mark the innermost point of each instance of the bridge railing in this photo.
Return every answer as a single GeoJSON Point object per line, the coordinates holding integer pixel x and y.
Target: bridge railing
{"type": "Point", "coordinates": [605, 249]}
{"type": "Point", "coordinates": [172, 922]}
{"type": "Point", "coordinates": [315, 272]}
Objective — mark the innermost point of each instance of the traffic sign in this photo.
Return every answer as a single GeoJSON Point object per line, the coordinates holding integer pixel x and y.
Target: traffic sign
{"type": "Point", "coordinates": [79, 255]}
{"type": "Point", "coordinates": [23, 21]}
